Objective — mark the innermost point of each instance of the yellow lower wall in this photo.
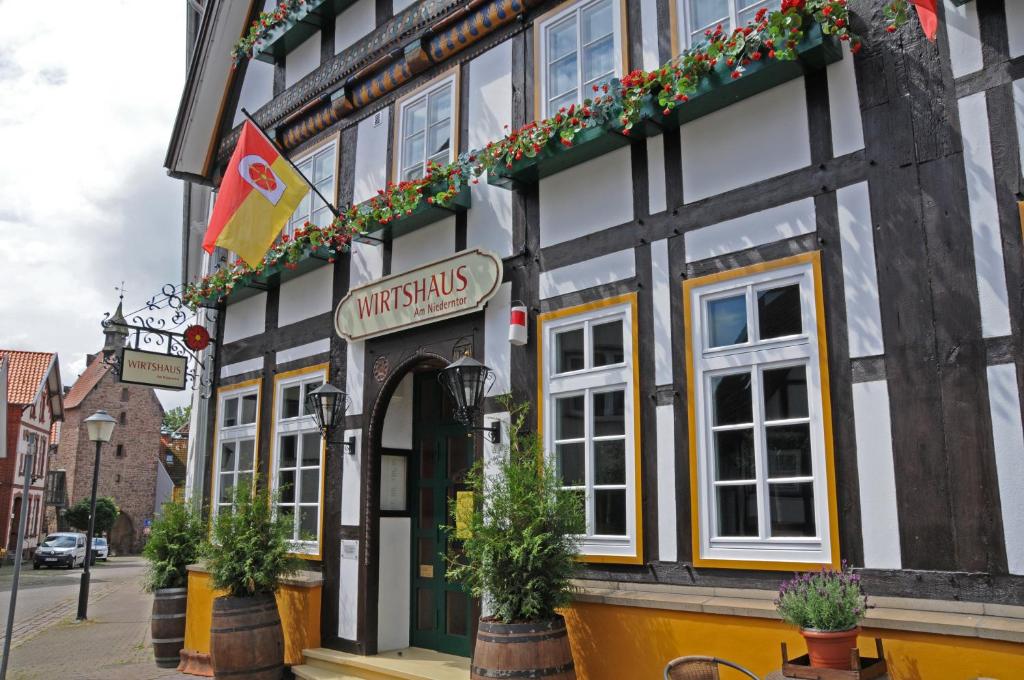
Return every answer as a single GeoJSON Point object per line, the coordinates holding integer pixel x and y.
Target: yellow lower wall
{"type": "Point", "coordinates": [622, 643]}
{"type": "Point", "coordinates": [299, 608]}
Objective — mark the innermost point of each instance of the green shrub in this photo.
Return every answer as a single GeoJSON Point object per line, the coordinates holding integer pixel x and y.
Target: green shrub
{"type": "Point", "coordinates": [175, 541]}
{"type": "Point", "coordinates": [106, 514]}
{"type": "Point", "coordinates": [517, 546]}
{"type": "Point", "coordinates": [249, 548]}
{"type": "Point", "coordinates": [827, 600]}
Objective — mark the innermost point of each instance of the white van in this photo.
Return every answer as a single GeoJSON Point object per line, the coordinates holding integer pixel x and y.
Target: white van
{"type": "Point", "coordinates": [64, 549]}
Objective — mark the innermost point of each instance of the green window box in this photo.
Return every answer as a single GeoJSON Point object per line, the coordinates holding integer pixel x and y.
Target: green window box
{"type": "Point", "coordinates": [288, 35]}
{"type": "Point", "coordinates": [422, 215]}
{"type": "Point", "coordinates": [250, 285]}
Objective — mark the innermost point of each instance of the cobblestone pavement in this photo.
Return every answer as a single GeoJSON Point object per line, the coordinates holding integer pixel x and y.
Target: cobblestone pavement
{"type": "Point", "coordinates": [113, 645]}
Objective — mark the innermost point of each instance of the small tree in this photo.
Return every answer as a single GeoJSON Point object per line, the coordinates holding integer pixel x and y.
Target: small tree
{"type": "Point", "coordinates": [106, 514]}
{"type": "Point", "coordinates": [249, 548]}
{"type": "Point", "coordinates": [177, 416]}
{"type": "Point", "coordinates": [174, 543]}
{"type": "Point", "coordinates": [520, 540]}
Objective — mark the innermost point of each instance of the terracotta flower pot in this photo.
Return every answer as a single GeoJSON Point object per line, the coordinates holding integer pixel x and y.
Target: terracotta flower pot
{"type": "Point", "coordinates": [830, 649]}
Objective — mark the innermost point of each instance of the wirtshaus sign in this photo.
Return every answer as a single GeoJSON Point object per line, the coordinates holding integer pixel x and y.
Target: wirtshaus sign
{"type": "Point", "coordinates": [154, 369]}
{"type": "Point", "coordinates": [457, 285]}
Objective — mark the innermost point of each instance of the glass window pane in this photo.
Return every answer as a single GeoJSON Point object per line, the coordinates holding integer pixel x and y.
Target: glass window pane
{"type": "Point", "coordinates": [302, 212]}
{"type": "Point", "coordinates": [230, 412]}
{"type": "Point", "coordinates": [246, 451]}
{"type": "Point", "coordinates": [309, 522]}
{"type": "Point", "coordinates": [727, 321]}
{"type": "Point", "coordinates": [440, 104]}
{"type": "Point", "coordinates": [596, 21]}
{"type": "Point", "coordinates": [734, 455]}
{"type": "Point", "coordinates": [789, 450]}
{"type": "Point", "coordinates": [248, 409]}
{"type": "Point", "coordinates": [427, 519]}
{"type": "Point", "coordinates": [609, 413]}
{"type": "Point", "coordinates": [227, 484]}
{"type": "Point", "coordinates": [427, 550]}
{"type": "Point", "coordinates": [562, 76]}
{"type": "Point", "coordinates": [569, 417]}
{"type": "Point", "coordinates": [456, 608]}
{"type": "Point", "coordinates": [778, 312]}
{"type": "Point", "coordinates": [608, 345]}
{"type": "Point", "coordinates": [569, 98]}
{"type": "Point", "coordinates": [286, 486]}
{"type": "Point", "coordinates": [311, 448]}
{"type": "Point", "coordinates": [737, 510]}
{"type": "Point", "coordinates": [427, 459]}
{"type": "Point", "coordinates": [412, 151]}
{"type": "Point", "coordinates": [310, 486]}
{"type": "Point", "coordinates": [792, 509]}
{"type": "Point", "coordinates": [599, 60]}
{"type": "Point", "coordinates": [424, 609]}
{"type": "Point", "coordinates": [610, 512]}
{"type": "Point", "coordinates": [244, 479]}
{"type": "Point", "coordinates": [414, 118]}
{"type": "Point", "coordinates": [323, 166]}
{"type": "Point", "coordinates": [570, 463]}
{"type": "Point", "coordinates": [289, 450]}
{"type": "Point", "coordinates": [561, 38]}
{"type": "Point", "coordinates": [227, 456]}
{"type": "Point", "coordinates": [707, 12]}
{"type": "Point", "coordinates": [610, 462]}
{"type": "Point", "coordinates": [746, 14]}
{"type": "Point", "coordinates": [290, 402]}
{"type": "Point", "coordinates": [287, 512]}
{"type": "Point", "coordinates": [460, 457]}
{"type": "Point", "coordinates": [569, 351]}
{"type": "Point", "coordinates": [322, 217]}
{"type": "Point", "coordinates": [731, 398]}
{"type": "Point", "coordinates": [413, 172]}
{"type": "Point", "coordinates": [439, 138]}
{"type": "Point", "coordinates": [785, 393]}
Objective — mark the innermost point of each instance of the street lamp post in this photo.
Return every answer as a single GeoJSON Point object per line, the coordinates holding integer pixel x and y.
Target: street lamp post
{"type": "Point", "coordinates": [101, 427]}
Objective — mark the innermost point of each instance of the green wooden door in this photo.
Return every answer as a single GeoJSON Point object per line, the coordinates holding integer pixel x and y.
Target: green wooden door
{"type": "Point", "coordinates": [442, 612]}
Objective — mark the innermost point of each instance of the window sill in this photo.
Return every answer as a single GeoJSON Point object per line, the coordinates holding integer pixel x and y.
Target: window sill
{"type": "Point", "coordinates": [288, 35]}
{"type": "Point", "coordinates": [250, 285]}
{"type": "Point", "coordinates": [424, 214]}
{"type": "Point", "coordinates": [939, 617]}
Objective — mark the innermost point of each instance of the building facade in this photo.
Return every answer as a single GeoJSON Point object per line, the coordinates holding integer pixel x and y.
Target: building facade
{"type": "Point", "coordinates": [776, 331]}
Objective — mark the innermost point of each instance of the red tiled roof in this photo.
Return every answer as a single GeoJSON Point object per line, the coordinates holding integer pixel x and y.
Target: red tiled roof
{"type": "Point", "coordinates": [25, 374]}
{"type": "Point", "coordinates": [90, 377]}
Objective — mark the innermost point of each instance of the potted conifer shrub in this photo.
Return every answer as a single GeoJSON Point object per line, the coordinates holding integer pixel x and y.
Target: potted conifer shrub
{"type": "Point", "coordinates": [247, 556]}
{"type": "Point", "coordinates": [174, 543]}
{"type": "Point", "coordinates": [516, 548]}
{"type": "Point", "coordinates": [827, 606]}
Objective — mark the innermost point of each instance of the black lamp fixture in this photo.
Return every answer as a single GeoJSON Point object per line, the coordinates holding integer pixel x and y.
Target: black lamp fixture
{"type": "Point", "coordinates": [328, 404]}
{"type": "Point", "coordinates": [466, 380]}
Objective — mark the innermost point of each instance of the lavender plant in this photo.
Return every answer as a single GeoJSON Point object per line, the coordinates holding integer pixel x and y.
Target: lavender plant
{"type": "Point", "coordinates": [824, 601]}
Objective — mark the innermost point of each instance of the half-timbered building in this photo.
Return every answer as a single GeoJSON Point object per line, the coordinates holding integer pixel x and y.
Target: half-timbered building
{"type": "Point", "coordinates": [774, 328]}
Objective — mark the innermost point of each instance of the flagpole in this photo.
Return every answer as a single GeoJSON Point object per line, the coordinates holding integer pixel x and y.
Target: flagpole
{"type": "Point", "coordinates": [281, 152]}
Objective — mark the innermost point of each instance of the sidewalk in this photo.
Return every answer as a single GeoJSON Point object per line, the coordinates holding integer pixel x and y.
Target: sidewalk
{"type": "Point", "coordinates": [113, 645]}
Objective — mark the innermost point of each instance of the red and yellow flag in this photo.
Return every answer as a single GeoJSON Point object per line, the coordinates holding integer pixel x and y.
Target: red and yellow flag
{"type": "Point", "coordinates": [258, 194]}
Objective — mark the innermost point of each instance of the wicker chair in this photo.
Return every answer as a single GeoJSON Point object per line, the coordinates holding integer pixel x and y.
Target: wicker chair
{"type": "Point", "coordinates": [700, 668]}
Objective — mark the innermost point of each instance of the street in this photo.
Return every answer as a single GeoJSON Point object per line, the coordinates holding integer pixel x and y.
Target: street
{"type": "Point", "coordinates": [113, 644]}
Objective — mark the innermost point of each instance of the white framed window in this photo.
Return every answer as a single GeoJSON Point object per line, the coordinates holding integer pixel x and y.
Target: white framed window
{"type": "Point", "coordinates": [238, 411]}
{"type": "Point", "coordinates": [694, 17]}
{"type": "Point", "coordinates": [319, 168]}
{"type": "Point", "coordinates": [577, 48]}
{"type": "Point", "coordinates": [426, 128]}
{"type": "Point", "coordinates": [298, 457]}
{"type": "Point", "coordinates": [761, 455]}
{"type": "Point", "coordinates": [589, 419]}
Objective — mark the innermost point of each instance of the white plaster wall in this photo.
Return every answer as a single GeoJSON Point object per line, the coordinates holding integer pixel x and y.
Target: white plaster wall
{"type": "Point", "coordinates": [1015, 26]}
{"type": "Point", "coordinates": [423, 245]}
{"type": "Point", "coordinates": [878, 511]}
{"type": "Point", "coordinates": [984, 211]}
{"type": "Point", "coordinates": [771, 127]}
{"type": "Point", "coordinates": [649, 34]}
{"type": "Point", "coordinates": [497, 351]}
{"type": "Point", "coordinates": [1008, 437]}
{"type": "Point", "coordinates": [400, 5]}
{"type": "Point", "coordinates": [371, 168]}
{"type": "Point", "coordinates": [774, 224]}
{"type": "Point", "coordinates": [348, 590]}
{"type": "Point", "coordinates": [666, 445]}
{"type": "Point", "coordinates": [306, 296]}
{"type": "Point", "coordinates": [354, 370]}
{"type": "Point", "coordinates": [245, 318]}
{"type": "Point", "coordinates": [860, 275]}
{"type": "Point", "coordinates": [589, 273]}
{"type": "Point", "coordinates": [844, 105]}
{"type": "Point", "coordinates": [310, 349]}
{"type": "Point", "coordinates": [240, 367]}
{"type": "Point", "coordinates": [586, 198]}
{"type": "Point", "coordinates": [164, 489]}
{"type": "Point", "coordinates": [664, 286]}
{"type": "Point", "coordinates": [367, 263]}
{"type": "Point", "coordinates": [302, 60]}
{"type": "Point", "coordinates": [393, 602]}
{"type": "Point", "coordinates": [1018, 107]}
{"type": "Point", "coordinates": [489, 222]}
{"type": "Point", "coordinates": [656, 201]}
{"type": "Point", "coordinates": [355, 22]}
{"type": "Point", "coordinates": [397, 432]}
{"type": "Point", "coordinates": [964, 37]}
{"type": "Point", "coordinates": [351, 468]}
{"type": "Point", "coordinates": [257, 88]}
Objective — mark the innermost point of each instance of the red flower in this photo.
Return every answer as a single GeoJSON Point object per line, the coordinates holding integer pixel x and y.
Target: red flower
{"type": "Point", "coordinates": [735, 75]}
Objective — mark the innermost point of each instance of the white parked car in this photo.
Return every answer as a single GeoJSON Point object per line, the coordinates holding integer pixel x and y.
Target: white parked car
{"type": "Point", "coordinates": [100, 550]}
{"type": "Point", "coordinates": [63, 549]}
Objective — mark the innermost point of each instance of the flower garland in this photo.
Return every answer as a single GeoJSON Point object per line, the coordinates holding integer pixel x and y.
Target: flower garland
{"type": "Point", "coordinates": [267, 21]}
{"type": "Point", "coordinates": [619, 105]}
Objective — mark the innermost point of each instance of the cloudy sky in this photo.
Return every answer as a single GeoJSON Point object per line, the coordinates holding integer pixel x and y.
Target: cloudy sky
{"type": "Point", "coordinates": [88, 94]}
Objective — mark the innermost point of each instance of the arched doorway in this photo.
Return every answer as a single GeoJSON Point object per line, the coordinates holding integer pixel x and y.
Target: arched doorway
{"type": "Point", "coordinates": [418, 458]}
{"type": "Point", "coordinates": [122, 535]}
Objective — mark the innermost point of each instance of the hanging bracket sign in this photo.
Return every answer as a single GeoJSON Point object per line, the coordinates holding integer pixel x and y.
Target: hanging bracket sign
{"type": "Point", "coordinates": [457, 285]}
{"type": "Point", "coordinates": [154, 369]}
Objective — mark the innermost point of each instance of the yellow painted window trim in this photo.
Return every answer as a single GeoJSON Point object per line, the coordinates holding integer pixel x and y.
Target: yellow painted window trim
{"type": "Point", "coordinates": [454, 74]}
{"type": "Point", "coordinates": [222, 393]}
{"type": "Point", "coordinates": [539, 63]}
{"type": "Point", "coordinates": [542, 319]}
{"type": "Point", "coordinates": [287, 375]}
{"type": "Point", "coordinates": [814, 259]}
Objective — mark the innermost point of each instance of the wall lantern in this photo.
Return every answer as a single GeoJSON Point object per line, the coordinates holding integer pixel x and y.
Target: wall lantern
{"type": "Point", "coordinates": [466, 380]}
{"type": "Point", "coordinates": [328, 404]}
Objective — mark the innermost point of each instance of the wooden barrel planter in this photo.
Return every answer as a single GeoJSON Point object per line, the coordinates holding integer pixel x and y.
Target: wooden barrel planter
{"type": "Point", "coordinates": [168, 625]}
{"type": "Point", "coordinates": [246, 640]}
{"type": "Point", "coordinates": [523, 650]}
